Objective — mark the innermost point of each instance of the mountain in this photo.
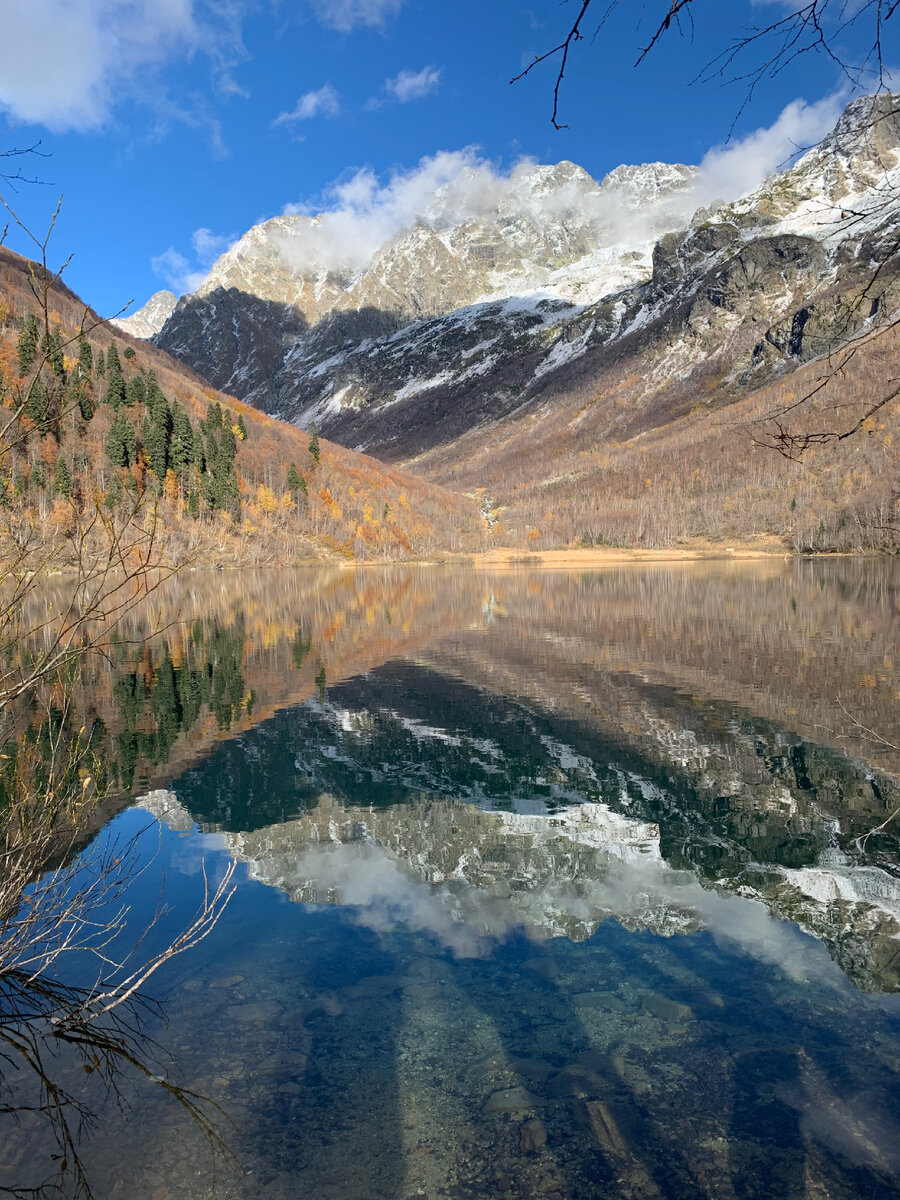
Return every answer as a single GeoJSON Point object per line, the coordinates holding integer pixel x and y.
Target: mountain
{"type": "Point", "coordinates": [568, 352]}
{"type": "Point", "coordinates": [551, 228]}
{"type": "Point", "coordinates": [102, 422]}
{"type": "Point", "coordinates": [150, 319]}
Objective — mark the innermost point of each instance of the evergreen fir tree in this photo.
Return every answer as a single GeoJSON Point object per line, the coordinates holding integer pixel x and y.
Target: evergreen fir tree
{"type": "Point", "coordinates": [120, 445]}
{"type": "Point", "coordinates": [115, 384]}
{"type": "Point", "coordinates": [227, 446]}
{"type": "Point", "coordinates": [314, 442]}
{"type": "Point", "coordinates": [77, 395]}
{"type": "Point", "coordinates": [28, 341]}
{"type": "Point", "coordinates": [194, 503]}
{"type": "Point", "coordinates": [156, 434]}
{"type": "Point", "coordinates": [85, 357]}
{"type": "Point", "coordinates": [293, 478]}
{"type": "Point", "coordinates": [129, 352]}
{"type": "Point", "coordinates": [135, 392]}
{"type": "Point", "coordinates": [114, 446]}
{"type": "Point", "coordinates": [37, 406]}
{"type": "Point", "coordinates": [51, 344]}
{"type": "Point", "coordinates": [101, 364]}
{"type": "Point", "coordinates": [129, 440]}
{"type": "Point", "coordinates": [199, 455]}
{"type": "Point", "coordinates": [181, 445]}
{"type": "Point", "coordinates": [242, 427]}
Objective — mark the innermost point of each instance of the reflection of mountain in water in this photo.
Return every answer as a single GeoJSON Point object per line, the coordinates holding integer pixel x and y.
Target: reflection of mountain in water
{"type": "Point", "coordinates": [417, 797]}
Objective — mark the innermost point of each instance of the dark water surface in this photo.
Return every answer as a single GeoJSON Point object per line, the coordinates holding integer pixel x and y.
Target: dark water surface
{"type": "Point", "coordinates": [550, 884]}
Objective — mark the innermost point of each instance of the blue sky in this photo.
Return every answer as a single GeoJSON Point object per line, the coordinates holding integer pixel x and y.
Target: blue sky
{"type": "Point", "coordinates": [172, 126]}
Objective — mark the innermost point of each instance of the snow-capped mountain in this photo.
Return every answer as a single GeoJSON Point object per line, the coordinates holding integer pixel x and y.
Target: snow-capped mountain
{"type": "Point", "coordinates": [549, 232]}
{"type": "Point", "coordinates": [454, 322]}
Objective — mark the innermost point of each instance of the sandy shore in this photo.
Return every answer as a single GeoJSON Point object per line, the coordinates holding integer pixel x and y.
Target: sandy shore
{"type": "Point", "coordinates": [603, 556]}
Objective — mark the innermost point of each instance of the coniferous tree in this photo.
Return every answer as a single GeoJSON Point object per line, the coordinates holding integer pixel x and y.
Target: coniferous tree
{"type": "Point", "coordinates": [227, 446]}
{"type": "Point", "coordinates": [314, 442]}
{"type": "Point", "coordinates": [51, 344]}
{"type": "Point", "coordinates": [86, 405]}
{"type": "Point", "coordinates": [242, 428]}
{"type": "Point", "coordinates": [293, 478]}
{"type": "Point", "coordinates": [181, 445]}
{"type": "Point", "coordinates": [120, 445]}
{"type": "Point", "coordinates": [28, 342]}
{"type": "Point", "coordinates": [135, 391]}
{"type": "Point", "coordinates": [37, 406]}
{"type": "Point", "coordinates": [129, 439]}
{"type": "Point", "coordinates": [115, 384]}
{"type": "Point", "coordinates": [199, 454]}
{"type": "Point", "coordinates": [101, 364]}
{"type": "Point", "coordinates": [114, 446]}
{"type": "Point", "coordinates": [194, 503]}
{"type": "Point", "coordinates": [85, 357]}
{"type": "Point", "coordinates": [156, 433]}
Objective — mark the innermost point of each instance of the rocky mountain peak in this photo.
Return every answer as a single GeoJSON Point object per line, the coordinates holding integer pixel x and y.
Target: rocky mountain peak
{"type": "Point", "coordinates": [869, 127]}
{"type": "Point", "coordinates": [648, 182]}
{"type": "Point", "coordinates": [150, 319]}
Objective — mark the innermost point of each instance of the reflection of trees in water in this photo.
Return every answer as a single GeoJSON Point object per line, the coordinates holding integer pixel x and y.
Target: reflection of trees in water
{"type": "Point", "coordinates": [72, 965]}
{"type": "Point", "coordinates": [157, 700]}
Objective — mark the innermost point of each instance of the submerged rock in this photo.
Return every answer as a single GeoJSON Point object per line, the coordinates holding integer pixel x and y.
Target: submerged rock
{"type": "Point", "coordinates": [257, 1010]}
{"type": "Point", "coordinates": [666, 1009]}
{"type": "Point", "coordinates": [517, 1099]}
{"type": "Point", "coordinates": [533, 1135]}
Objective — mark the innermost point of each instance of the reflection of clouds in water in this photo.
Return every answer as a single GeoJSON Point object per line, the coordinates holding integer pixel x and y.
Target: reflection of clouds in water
{"type": "Point", "coordinates": [189, 855]}
{"type": "Point", "coordinates": [639, 892]}
{"type": "Point", "coordinates": [367, 877]}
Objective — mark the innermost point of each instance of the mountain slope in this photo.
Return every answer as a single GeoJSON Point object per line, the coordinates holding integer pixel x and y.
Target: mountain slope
{"type": "Point", "coordinates": [574, 357]}
{"type": "Point", "coordinates": [113, 426]}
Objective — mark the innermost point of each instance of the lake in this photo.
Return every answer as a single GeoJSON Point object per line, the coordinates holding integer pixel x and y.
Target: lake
{"type": "Point", "coordinates": [549, 884]}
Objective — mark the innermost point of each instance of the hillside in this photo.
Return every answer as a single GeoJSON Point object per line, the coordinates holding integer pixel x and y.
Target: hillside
{"type": "Point", "coordinates": [104, 427]}
{"type": "Point", "coordinates": [602, 375]}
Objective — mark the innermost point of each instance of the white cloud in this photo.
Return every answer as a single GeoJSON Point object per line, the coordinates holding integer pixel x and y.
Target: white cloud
{"type": "Point", "coordinates": [362, 212]}
{"type": "Point", "coordinates": [347, 15]}
{"type": "Point", "coordinates": [65, 63]}
{"type": "Point", "coordinates": [739, 167]}
{"type": "Point", "coordinates": [322, 103]}
{"type": "Point", "coordinates": [177, 271]}
{"type": "Point", "coordinates": [358, 215]}
{"type": "Point", "coordinates": [185, 274]}
{"type": "Point", "coordinates": [413, 85]}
